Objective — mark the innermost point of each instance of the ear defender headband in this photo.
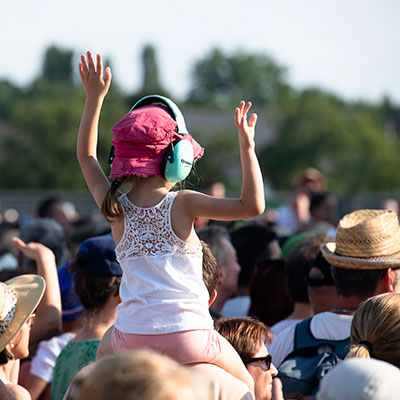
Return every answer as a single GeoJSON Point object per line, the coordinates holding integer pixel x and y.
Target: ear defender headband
{"type": "Point", "coordinates": [179, 156]}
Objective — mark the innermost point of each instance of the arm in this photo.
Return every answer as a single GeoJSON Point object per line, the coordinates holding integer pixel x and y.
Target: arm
{"type": "Point", "coordinates": [251, 201]}
{"type": "Point", "coordinates": [96, 87]}
{"type": "Point", "coordinates": [48, 321]}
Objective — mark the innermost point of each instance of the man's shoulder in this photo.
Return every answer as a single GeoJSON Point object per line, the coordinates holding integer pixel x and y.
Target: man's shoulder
{"type": "Point", "coordinates": [225, 386]}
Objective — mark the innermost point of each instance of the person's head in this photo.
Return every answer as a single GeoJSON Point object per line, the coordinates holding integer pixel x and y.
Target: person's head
{"type": "Point", "coordinates": [365, 253]}
{"type": "Point", "coordinates": [299, 264]}
{"type": "Point", "coordinates": [47, 232]}
{"type": "Point", "coordinates": [55, 207]}
{"type": "Point", "coordinates": [375, 329]}
{"type": "Point", "coordinates": [150, 141]}
{"type": "Point", "coordinates": [320, 285]}
{"type": "Point", "coordinates": [218, 240]}
{"type": "Point", "coordinates": [269, 293]}
{"type": "Point", "coordinates": [310, 180]}
{"type": "Point", "coordinates": [144, 375]}
{"type": "Point", "coordinates": [96, 272]}
{"type": "Point", "coordinates": [360, 379]}
{"type": "Point", "coordinates": [323, 207]}
{"type": "Point", "coordinates": [253, 243]}
{"type": "Point", "coordinates": [248, 337]}
{"type": "Point", "coordinates": [19, 298]}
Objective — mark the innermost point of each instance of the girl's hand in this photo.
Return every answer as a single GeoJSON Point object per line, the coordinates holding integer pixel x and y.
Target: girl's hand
{"type": "Point", "coordinates": [246, 130]}
{"type": "Point", "coordinates": [95, 85]}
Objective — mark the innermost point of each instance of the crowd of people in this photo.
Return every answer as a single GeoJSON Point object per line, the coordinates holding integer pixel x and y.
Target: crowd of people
{"type": "Point", "coordinates": [190, 295]}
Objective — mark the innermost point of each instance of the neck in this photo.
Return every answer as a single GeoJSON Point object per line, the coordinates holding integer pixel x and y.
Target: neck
{"type": "Point", "coordinates": [301, 311]}
{"type": "Point", "coordinates": [219, 302]}
{"type": "Point", "coordinates": [347, 305]}
{"type": "Point", "coordinates": [96, 325]}
{"type": "Point", "coordinates": [8, 370]}
{"type": "Point", "coordinates": [243, 291]}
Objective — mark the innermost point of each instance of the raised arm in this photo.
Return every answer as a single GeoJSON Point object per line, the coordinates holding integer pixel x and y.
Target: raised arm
{"type": "Point", "coordinates": [251, 202]}
{"type": "Point", "coordinates": [96, 85]}
{"type": "Point", "coordinates": [48, 313]}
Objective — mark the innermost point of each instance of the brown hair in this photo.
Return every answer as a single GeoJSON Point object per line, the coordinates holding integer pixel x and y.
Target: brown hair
{"type": "Point", "coordinates": [210, 269]}
{"type": "Point", "coordinates": [110, 207]}
{"type": "Point", "coordinates": [375, 329]}
{"type": "Point", "coordinates": [141, 374]}
{"type": "Point", "coordinates": [246, 335]}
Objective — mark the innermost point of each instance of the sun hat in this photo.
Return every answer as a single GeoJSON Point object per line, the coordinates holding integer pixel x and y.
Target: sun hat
{"type": "Point", "coordinates": [99, 255]}
{"type": "Point", "coordinates": [365, 239]}
{"type": "Point", "coordinates": [19, 297]}
{"type": "Point", "coordinates": [140, 140]}
{"type": "Point", "coordinates": [360, 379]}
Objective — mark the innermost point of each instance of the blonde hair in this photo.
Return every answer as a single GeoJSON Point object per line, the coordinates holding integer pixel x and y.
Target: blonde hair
{"type": "Point", "coordinates": [144, 375]}
{"type": "Point", "coordinates": [375, 329]}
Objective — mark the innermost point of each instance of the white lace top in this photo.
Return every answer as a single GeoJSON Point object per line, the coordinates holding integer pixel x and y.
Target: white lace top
{"type": "Point", "coordinates": [162, 289]}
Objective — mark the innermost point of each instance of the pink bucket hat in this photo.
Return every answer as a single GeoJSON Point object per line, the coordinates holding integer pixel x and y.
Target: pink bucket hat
{"type": "Point", "coordinates": [140, 139]}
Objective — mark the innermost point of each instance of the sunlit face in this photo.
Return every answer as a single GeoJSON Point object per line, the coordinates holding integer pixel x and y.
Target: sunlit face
{"type": "Point", "coordinates": [21, 341]}
{"type": "Point", "coordinates": [262, 376]}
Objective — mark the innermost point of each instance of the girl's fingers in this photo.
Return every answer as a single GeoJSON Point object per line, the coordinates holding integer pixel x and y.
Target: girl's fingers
{"type": "Point", "coordinates": [253, 120]}
{"type": "Point", "coordinates": [247, 108]}
{"type": "Point", "coordinates": [99, 65]}
{"type": "Point", "coordinates": [83, 62]}
{"type": "Point", "coordinates": [91, 62]}
{"type": "Point", "coordinates": [107, 76]}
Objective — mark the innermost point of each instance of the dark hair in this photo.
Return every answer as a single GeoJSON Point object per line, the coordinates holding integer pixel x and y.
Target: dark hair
{"type": "Point", "coordinates": [299, 263]}
{"type": "Point", "coordinates": [246, 335]}
{"type": "Point", "coordinates": [93, 290]}
{"type": "Point", "coordinates": [5, 357]}
{"type": "Point", "coordinates": [355, 282]}
{"type": "Point", "coordinates": [270, 297]}
{"type": "Point", "coordinates": [251, 243]}
{"type": "Point", "coordinates": [213, 235]}
{"type": "Point", "coordinates": [47, 232]}
{"type": "Point", "coordinates": [45, 206]}
{"type": "Point", "coordinates": [317, 199]}
{"type": "Point", "coordinates": [210, 269]}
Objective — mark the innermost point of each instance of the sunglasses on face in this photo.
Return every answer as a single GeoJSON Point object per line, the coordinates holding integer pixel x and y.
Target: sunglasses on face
{"type": "Point", "coordinates": [267, 361]}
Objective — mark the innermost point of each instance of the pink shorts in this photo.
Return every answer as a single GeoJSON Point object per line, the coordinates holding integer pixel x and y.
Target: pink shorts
{"type": "Point", "coordinates": [187, 347]}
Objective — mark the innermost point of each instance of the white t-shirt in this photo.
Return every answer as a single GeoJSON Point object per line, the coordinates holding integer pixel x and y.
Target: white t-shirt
{"type": "Point", "coordinates": [237, 307]}
{"type": "Point", "coordinates": [282, 325]}
{"type": "Point", "coordinates": [162, 288]}
{"type": "Point", "coordinates": [42, 364]}
{"type": "Point", "coordinates": [326, 325]}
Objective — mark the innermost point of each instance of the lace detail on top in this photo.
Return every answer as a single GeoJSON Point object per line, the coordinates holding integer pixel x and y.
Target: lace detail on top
{"type": "Point", "coordinates": [148, 231]}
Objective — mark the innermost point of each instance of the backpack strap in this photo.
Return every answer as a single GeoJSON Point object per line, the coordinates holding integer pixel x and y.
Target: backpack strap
{"type": "Point", "coordinates": [305, 342]}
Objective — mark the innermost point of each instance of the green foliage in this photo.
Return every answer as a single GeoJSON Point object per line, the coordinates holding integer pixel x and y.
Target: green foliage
{"type": "Point", "coordinates": [346, 142]}
{"type": "Point", "coordinates": [58, 65]}
{"type": "Point", "coordinates": [221, 80]}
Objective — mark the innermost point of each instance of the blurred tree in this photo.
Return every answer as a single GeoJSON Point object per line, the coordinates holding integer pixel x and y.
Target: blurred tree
{"type": "Point", "coordinates": [57, 65]}
{"type": "Point", "coordinates": [345, 141]}
{"type": "Point", "coordinates": [9, 94]}
{"type": "Point", "coordinates": [151, 82]}
{"type": "Point", "coordinates": [221, 80]}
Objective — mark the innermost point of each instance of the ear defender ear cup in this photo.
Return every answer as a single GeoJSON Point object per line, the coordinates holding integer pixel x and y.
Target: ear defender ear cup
{"type": "Point", "coordinates": [178, 161]}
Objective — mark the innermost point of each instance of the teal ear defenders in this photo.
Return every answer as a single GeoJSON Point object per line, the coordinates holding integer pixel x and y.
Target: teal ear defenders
{"type": "Point", "coordinates": [179, 156]}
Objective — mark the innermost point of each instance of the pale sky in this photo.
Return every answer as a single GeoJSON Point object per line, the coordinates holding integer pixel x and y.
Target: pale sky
{"type": "Point", "coordinates": [349, 47]}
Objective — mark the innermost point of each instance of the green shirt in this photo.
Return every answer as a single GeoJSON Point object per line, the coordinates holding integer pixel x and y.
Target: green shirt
{"type": "Point", "coordinates": [73, 357]}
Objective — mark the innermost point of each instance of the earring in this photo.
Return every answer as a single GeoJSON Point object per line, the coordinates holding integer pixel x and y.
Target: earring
{"type": "Point", "coordinates": [12, 345]}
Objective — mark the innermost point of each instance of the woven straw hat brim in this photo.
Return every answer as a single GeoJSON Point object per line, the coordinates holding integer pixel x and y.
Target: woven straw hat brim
{"type": "Point", "coordinates": [381, 262]}
{"type": "Point", "coordinates": [30, 289]}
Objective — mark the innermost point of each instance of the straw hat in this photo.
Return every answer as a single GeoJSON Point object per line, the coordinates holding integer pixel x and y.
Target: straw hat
{"type": "Point", "coordinates": [19, 297]}
{"type": "Point", "coordinates": [366, 239]}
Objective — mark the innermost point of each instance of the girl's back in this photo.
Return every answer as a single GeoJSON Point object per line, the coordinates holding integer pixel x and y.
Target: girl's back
{"type": "Point", "coordinates": [162, 288]}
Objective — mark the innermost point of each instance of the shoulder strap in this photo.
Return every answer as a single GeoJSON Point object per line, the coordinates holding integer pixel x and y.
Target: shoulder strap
{"type": "Point", "coordinates": [303, 338]}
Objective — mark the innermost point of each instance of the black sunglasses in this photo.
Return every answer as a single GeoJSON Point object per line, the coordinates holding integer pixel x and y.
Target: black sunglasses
{"type": "Point", "coordinates": [267, 360]}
